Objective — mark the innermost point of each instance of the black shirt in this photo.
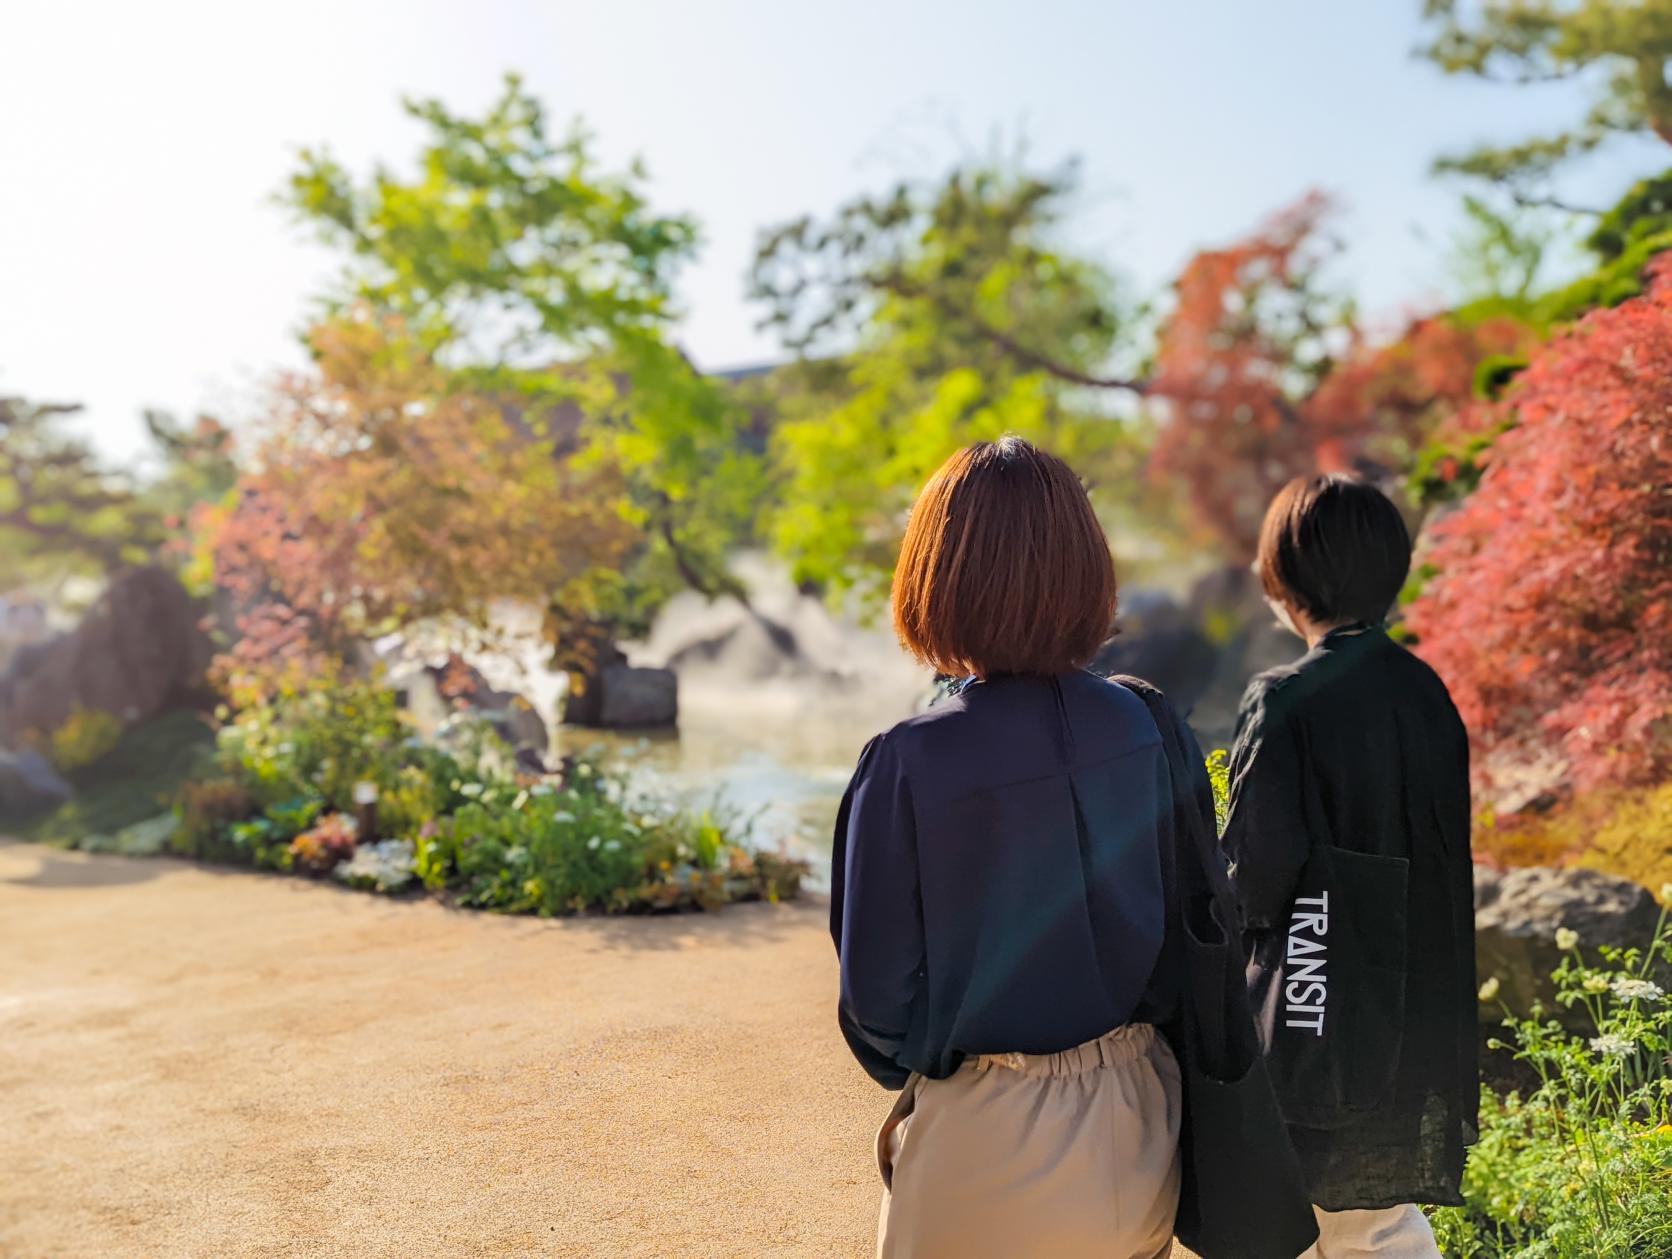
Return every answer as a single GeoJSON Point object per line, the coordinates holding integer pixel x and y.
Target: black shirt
{"type": "Point", "coordinates": [1349, 762]}
{"type": "Point", "coordinates": [996, 877]}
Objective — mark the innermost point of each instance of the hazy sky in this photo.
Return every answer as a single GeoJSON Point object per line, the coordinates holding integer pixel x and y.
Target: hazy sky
{"type": "Point", "coordinates": [142, 263]}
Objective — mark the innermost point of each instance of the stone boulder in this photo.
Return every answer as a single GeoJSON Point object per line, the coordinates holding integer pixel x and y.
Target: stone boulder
{"type": "Point", "coordinates": [28, 786]}
{"type": "Point", "coordinates": [635, 697]}
{"type": "Point", "coordinates": [1159, 641]}
{"type": "Point", "coordinates": [139, 651]}
{"type": "Point", "coordinates": [1230, 604]}
{"type": "Point", "coordinates": [436, 693]}
{"type": "Point", "coordinates": [1517, 915]}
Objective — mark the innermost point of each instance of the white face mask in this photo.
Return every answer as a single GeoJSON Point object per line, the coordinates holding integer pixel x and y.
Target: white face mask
{"type": "Point", "coordinates": [1284, 618]}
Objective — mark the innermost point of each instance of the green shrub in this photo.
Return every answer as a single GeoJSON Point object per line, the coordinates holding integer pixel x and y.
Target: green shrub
{"type": "Point", "coordinates": [1581, 1167]}
{"type": "Point", "coordinates": [86, 736]}
{"type": "Point", "coordinates": [418, 795]}
{"type": "Point", "coordinates": [132, 783]}
{"type": "Point", "coordinates": [319, 742]}
{"type": "Point", "coordinates": [265, 840]}
{"type": "Point", "coordinates": [592, 843]}
{"type": "Point", "coordinates": [209, 811]}
{"type": "Point", "coordinates": [281, 789]}
{"type": "Point", "coordinates": [1219, 778]}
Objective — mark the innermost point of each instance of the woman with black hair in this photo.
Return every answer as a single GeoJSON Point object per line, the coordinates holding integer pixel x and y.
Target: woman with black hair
{"type": "Point", "coordinates": [1349, 834]}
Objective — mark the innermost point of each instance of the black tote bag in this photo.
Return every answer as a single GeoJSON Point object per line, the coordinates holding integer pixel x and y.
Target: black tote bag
{"type": "Point", "coordinates": [1242, 1195]}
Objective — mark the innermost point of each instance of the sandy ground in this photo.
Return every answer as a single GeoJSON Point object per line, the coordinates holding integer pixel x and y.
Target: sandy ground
{"type": "Point", "coordinates": [196, 1062]}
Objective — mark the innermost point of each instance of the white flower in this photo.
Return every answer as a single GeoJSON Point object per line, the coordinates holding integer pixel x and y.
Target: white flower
{"type": "Point", "coordinates": [1612, 1046]}
{"type": "Point", "coordinates": [1489, 990]}
{"type": "Point", "coordinates": [471, 789]}
{"type": "Point", "coordinates": [1566, 940]}
{"type": "Point", "coordinates": [385, 866]}
{"type": "Point", "coordinates": [1666, 893]}
{"type": "Point", "coordinates": [583, 770]}
{"type": "Point", "coordinates": [1637, 990]}
{"type": "Point", "coordinates": [1596, 983]}
{"type": "Point", "coordinates": [592, 844]}
{"type": "Point", "coordinates": [563, 815]}
{"type": "Point", "coordinates": [613, 846]}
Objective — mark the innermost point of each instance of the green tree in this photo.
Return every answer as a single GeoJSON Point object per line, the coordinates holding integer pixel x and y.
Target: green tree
{"type": "Point", "coordinates": [199, 463]}
{"type": "Point", "coordinates": [930, 316]}
{"type": "Point", "coordinates": [1621, 47]}
{"type": "Point", "coordinates": [61, 512]}
{"type": "Point", "coordinates": [1499, 255]}
{"type": "Point", "coordinates": [527, 271]}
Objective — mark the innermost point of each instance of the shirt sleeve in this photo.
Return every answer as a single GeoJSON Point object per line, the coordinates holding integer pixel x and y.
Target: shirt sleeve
{"type": "Point", "coordinates": [1265, 838]}
{"type": "Point", "coordinates": [876, 913]}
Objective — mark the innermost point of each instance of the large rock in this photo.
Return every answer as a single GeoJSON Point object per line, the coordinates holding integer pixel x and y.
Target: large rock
{"type": "Point", "coordinates": [751, 648]}
{"type": "Point", "coordinates": [512, 716]}
{"type": "Point", "coordinates": [1158, 641]}
{"type": "Point", "coordinates": [434, 693]}
{"type": "Point", "coordinates": [1203, 651]}
{"type": "Point", "coordinates": [28, 786]}
{"type": "Point", "coordinates": [1517, 915]}
{"type": "Point", "coordinates": [1230, 604]}
{"type": "Point", "coordinates": [139, 651]}
{"type": "Point", "coordinates": [634, 697]}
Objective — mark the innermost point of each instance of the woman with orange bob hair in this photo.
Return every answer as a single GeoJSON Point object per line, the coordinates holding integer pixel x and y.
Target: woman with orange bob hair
{"type": "Point", "coordinates": [999, 896]}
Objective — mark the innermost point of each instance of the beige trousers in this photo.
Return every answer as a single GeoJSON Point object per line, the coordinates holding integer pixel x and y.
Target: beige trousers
{"type": "Point", "coordinates": [1394, 1233]}
{"type": "Point", "coordinates": [1055, 1156]}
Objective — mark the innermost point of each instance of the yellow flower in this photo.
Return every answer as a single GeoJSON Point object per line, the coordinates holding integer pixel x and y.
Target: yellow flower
{"type": "Point", "coordinates": [1596, 983]}
{"type": "Point", "coordinates": [1489, 990]}
{"type": "Point", "coordinates": [1666, 893]}
{"type": "Point", "coordinates": [1566, 940]}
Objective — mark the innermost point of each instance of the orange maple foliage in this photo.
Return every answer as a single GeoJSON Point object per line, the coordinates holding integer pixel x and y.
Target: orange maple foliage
{"type": "Point", "coordinates": [386, 495]}
{"type": "Point", "coordinates": [1264, 379]}
{"type": "Point", "coordinates": [1226, 369]}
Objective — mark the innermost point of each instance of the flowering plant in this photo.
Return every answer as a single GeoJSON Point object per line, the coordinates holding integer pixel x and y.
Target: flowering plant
{"type": "Point", "coordinates": [328, 842]}
{"type": "Point", "coordinates": [1581, 1166]}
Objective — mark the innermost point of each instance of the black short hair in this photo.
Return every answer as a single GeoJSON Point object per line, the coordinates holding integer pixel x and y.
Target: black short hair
{"type": "Point", "coordinates": [1334, 547]}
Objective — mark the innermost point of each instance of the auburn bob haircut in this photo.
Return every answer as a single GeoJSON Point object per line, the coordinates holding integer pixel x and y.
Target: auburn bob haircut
{"type": "Point", "coordinates": [1004, 568]}
{"type": "Point", "coordinates": [1334, 547]}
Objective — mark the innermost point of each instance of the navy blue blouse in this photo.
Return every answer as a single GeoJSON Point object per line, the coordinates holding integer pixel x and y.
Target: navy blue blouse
{"type": "Point", "coordinates": [996, 879]}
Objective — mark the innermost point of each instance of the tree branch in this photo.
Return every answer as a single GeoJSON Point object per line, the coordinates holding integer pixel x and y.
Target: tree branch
{"type": "Point", "coordinates": [1530, 202]}
{"type": "Point", "coordinates": [1009, 344]}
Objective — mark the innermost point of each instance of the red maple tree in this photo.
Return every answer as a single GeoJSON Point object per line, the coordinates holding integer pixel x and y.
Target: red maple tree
{"type": "Point", "coordinates": [1383, 402]}
{"type": "Point", "coordinates": [1265, 376]}
{"type": "Point", "coordinates": [1244, 341]}
{"type": "Point", "coordinates": [1551, 613]}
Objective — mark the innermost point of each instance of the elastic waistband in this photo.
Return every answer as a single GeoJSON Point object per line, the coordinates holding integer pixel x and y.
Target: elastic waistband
{"type": "Point", "coordinates": [1125, 1044]}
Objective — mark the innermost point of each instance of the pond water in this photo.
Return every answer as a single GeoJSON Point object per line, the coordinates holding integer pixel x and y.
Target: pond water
{"type": "Point", "coordinates": [774, 780]}
{"type": "Point", "coordinates": [776, 700]}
